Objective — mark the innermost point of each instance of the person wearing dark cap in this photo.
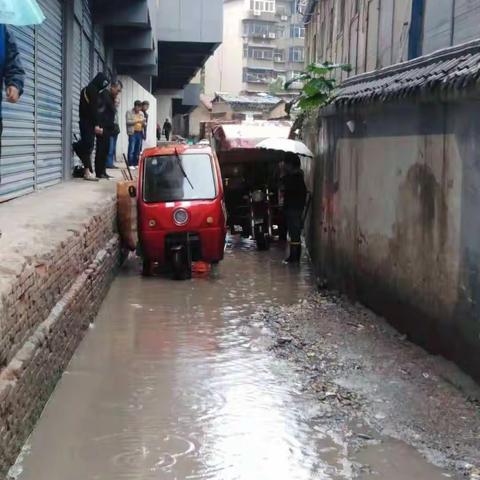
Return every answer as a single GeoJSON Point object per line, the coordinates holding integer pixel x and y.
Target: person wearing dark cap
{"type": "Point", "coordinates": [89, 128]}
{"type": "Point", "coordinates": [295, 196]}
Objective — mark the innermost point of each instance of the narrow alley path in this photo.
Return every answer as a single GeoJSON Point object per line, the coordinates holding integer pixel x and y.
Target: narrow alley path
{"type": "Point", "coordinates": [174, 382]}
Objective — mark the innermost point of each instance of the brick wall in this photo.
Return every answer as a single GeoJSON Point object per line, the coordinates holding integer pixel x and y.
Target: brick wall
{"type": "Point", "coordinates": [46, 305]}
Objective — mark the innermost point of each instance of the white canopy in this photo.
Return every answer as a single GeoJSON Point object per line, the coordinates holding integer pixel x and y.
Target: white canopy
{"type": "Point", "coordinates": [285, 145]}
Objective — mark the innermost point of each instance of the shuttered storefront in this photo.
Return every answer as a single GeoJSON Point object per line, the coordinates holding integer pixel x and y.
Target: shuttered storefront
{"type": "Point", "coordinates": [49, 165]}
{"type": "Point", "coordinates": [77, 83]}
{"type": "Point", "coordinates": [99, 51]}
{"type": "Point", "coordinates": [87, 44]}
{"type": "Point", "coordinates": [86, 58]}
{"type": "Point", "coordinates": [32, 155]}
{"type": "Point", "coordinates": [17, 162]}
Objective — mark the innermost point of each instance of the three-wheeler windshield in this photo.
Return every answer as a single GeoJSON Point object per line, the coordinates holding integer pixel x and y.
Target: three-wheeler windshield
{"type": "Point", "coordinates": [172, 178]}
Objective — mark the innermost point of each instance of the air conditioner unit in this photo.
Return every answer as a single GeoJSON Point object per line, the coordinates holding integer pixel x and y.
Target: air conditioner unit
{"type": "Point", "coordinates": [284, 18]}
{"type": "Point", "coordinates": [257, 13]}
{"type": "Point", "coordinates": [271, 35]}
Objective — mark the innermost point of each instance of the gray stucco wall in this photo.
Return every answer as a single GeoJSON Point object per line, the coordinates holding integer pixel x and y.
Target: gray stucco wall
{"type": "Point", "coordinates": [395, 218]}
{"type": "Point", "coordinates": [450, 22]}
{"type": "Point", "coordinates": [190, 21]}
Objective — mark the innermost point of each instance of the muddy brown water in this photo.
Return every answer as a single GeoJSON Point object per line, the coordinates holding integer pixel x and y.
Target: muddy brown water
{"type": "Point", "coordinates": [174, 381]}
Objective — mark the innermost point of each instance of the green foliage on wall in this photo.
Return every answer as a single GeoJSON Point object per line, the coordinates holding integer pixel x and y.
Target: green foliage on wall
{"type": "Point", "coordinates": [318, 85]}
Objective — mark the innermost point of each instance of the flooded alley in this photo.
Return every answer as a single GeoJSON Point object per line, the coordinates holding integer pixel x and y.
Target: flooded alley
{"type": "Point", "coordinates": [175, 381]}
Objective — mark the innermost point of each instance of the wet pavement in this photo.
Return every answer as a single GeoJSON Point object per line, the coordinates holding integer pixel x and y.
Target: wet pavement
{"type": "Point", "coordinates": [176, 381]}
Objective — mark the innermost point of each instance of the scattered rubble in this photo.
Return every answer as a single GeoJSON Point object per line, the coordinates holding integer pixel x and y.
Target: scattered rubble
{"type": "Point", "coordinates": [361, 369]}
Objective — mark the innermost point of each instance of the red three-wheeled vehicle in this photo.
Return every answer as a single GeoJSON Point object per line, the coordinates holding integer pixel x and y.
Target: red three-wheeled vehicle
{"type": "Point", "coordinates": [181, 209]}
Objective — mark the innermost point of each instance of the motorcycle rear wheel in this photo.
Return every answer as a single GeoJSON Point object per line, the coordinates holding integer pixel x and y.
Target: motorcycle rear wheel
{"type": "Point", "coordinates": [181, 266]}
{"type": "Point", "coordinates": [147, 267]}
{"type": "Point", "coordinates": [262, 240]}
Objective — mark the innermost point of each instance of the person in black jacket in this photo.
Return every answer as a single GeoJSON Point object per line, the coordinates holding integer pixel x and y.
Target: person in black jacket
{"type": "Point", "coordinates": [88, 112]}
{"type": "Point", "coordinates": [106, 126]}
{"type": "Point", "coordinates": [295, 196]}
{"type": "Point", "coordinates": [167, 129]}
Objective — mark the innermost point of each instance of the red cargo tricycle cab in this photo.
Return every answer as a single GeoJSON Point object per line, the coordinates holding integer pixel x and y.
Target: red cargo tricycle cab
{"type": "Point", "coordinates": [181, 210]}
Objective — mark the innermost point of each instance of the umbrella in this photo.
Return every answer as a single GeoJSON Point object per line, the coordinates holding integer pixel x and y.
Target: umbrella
{"type": "Point", "coordinates": [20, 13]}
{"type": "Point", "coordinates": [285, 145]}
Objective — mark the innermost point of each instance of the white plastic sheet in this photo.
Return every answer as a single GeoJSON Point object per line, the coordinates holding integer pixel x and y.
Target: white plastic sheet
{"type": "Point", "coordinates": [20, 12]}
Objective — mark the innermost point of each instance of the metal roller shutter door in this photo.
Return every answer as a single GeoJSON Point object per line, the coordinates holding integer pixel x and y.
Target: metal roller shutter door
{"type": "Point", "coordinates": [87, 46]}
{"type": "Point", "coordinates": [82, 74]}
{"type": "Point", "coordinates": [77, 77]}
{"type": "Point", "coordinates": [17, 163]}
{"type": "Point", "coordinates": [49, 95]}
{"type": "Point", "coordinates": [86, 75]}
{"type": "Point", "coordinates": [99, 55]}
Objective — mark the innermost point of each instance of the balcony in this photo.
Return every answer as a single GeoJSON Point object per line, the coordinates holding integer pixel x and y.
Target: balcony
{"type": "Point", "coordinates": [263, 16]}
{"type": "Point", "coordinates": [259, 76]}
{"type": "Point", "coordinates": [261, 63]}
{"type": "Point", "coordinates": [268, 36]}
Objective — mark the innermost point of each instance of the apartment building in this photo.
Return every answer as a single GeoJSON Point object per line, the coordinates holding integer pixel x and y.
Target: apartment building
{"type": "Point", "coordinates": [263, 41]}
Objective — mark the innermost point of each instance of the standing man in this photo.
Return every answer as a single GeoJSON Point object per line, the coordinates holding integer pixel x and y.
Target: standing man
{"type": "Point", "coordinates": [88, 112]}
{"type": "Point", "coordinates": [145, 107]}
{"type": "Point", "coordinates": [12, 73]}
{"type": "Point", "coordinates": [135, 126]}
{"type": "Point", "coordinates": [106, 127]}
{"type": "Point", "coordinates": [167, 129]}
{"type": "Point", "coordinates": [295, 196]}
{"type": "Point", "coordinates": [117, 87]}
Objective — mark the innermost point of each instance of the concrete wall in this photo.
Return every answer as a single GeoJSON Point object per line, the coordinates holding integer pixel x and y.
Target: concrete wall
{"type": "Point", "coordinates": [56, 268]}
{"type": "Point", "coordinates": [199, 115]}
{"type": "Point", "coordinates": [164, 104]}
{"type": "Point", "coordinates": [395, 218]}
{"type": "Point", "coordinates": [379, 33]}
{"type": "Point", "coordinates": [134, 91]}
{"type": "Point", "coordinates": [189, 20]}
{"type": "Point", "coordinates": [450, 22]}
{"type": "Point", "coordinates": [224, 70]}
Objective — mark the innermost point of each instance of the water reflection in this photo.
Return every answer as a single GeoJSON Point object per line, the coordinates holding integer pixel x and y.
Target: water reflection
{"type": "Point", "coordinates": [170, 384]}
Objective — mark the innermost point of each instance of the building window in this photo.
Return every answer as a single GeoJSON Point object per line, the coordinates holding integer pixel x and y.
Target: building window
{"type": "Point", "coordinates": [297, 31]}
{"type": "Point", "coordinates": [294, 6]}
{"type": "Point", "coordinates": [261, 6]}
{"type": "Point", "coordinates": [279, 55]}
{"type": "Point", "coordinates": [297, 54]}
{"type": "Point", "coordinates": [291, 75]}
{"type": "Point", "coordinates": [281, 31]}
{"type": "Point", "coordinates": [259, 29]}
{"type": "Point", "coordinates": [259, 53]}
{"type": "Point", "coordinates": [258, 76]}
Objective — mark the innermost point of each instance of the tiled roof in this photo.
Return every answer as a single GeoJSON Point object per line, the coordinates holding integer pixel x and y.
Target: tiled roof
{"type": "Point", "coordinates": [258, 99]}
{"type": "Point", "coordinates": [450, 69]}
